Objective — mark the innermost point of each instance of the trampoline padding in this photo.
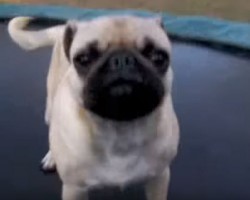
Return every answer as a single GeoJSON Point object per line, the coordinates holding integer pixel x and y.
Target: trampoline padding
{"type": "Point", "coordinates": [190, 27]}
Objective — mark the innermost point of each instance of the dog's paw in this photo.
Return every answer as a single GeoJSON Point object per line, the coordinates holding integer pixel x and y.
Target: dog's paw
{"type": "Point", "coordinates": [47, 116]}
{"type": "Point", "coordinates": [48, 165]}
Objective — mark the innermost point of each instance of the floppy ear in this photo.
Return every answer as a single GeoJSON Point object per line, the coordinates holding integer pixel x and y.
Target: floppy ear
{"type": "Point", "coordinates": [68, 36]}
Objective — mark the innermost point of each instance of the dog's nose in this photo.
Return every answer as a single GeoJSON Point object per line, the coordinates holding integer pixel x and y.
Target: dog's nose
{"type": "Point", "coordinates": [122, 60]}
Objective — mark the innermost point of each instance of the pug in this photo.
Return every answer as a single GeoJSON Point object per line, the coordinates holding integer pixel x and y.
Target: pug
{"type": "Point", "coordinates": [109, 103]}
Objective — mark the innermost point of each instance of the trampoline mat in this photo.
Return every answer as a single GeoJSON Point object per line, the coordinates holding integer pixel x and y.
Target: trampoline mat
{"type": "Point", "coordinates": [212, 101]}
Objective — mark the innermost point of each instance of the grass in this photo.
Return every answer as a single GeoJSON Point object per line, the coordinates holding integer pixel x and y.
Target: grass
{"type": "Point", "coordinates": [227, 9]}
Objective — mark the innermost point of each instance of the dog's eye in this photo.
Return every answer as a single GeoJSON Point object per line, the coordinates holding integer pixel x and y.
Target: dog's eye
{"type": "Point", "coordinates": [82, 59]}
{"type": "Point", "coordinates": [158, 57]}
{"type": "Point", "coordinates": [86, 58]}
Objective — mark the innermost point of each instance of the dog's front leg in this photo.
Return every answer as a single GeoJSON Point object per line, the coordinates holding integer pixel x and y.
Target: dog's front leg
{"type": "Point", "coordinates": [157, 188]}
{"type": "Point", "coordinates": [71, 192]}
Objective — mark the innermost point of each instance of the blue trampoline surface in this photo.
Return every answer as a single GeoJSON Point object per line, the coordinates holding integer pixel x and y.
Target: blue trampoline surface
{"type": "Point", "coordinates": [211, 97]}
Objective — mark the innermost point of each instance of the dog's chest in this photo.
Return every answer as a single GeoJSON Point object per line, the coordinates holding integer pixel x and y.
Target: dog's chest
{"type": "Point", "coordinates": [122, 158]}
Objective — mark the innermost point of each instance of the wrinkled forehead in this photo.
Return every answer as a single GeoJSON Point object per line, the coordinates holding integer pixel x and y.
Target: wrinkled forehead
{"type": "Point", "coordinates": [123, 31]}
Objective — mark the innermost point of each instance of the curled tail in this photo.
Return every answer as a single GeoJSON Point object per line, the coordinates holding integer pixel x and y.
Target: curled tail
{"type": "Point", "coordinates": [31, 40]}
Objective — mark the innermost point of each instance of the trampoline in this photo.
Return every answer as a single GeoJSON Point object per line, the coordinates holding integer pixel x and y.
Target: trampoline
{"type": "Point", "coordinates": [212, 101]}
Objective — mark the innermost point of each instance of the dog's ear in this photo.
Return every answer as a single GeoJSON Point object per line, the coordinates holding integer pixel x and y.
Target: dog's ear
{"type": "Point", "coordinates": [158, 20]}
{"type": "Point", "coordinates": [68, 36]}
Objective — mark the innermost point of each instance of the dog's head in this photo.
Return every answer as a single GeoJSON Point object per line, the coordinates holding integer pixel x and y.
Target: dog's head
{"type": "Point", "coordinates": [120, 65]}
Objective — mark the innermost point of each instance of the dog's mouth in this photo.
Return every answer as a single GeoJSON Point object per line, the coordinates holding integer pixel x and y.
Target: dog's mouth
{"type": "Point", "coordinates": [124, 100]}
{"type": "Point", "coordinates": [122, 88]}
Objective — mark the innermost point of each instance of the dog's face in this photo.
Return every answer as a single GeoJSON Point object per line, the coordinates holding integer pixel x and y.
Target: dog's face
{"type": "Point", "coordinates": [120, 65]}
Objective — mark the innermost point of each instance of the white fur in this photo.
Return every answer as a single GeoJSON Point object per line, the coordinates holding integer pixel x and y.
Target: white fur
{"type": "Point", "coordinates": [31, 40]}
{"type": "Point", "coordinates": [48, 162]}
{"type": "Point", "coordinates": [90, 151]}
{"type": "Point", "coordinates": [129, 151]}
